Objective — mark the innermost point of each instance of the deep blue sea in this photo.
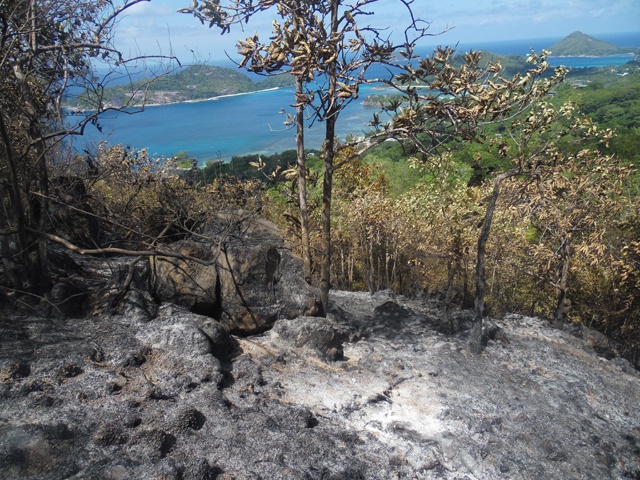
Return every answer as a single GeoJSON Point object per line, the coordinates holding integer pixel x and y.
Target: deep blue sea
{"type": "Point", "coordinates": [243, 124]}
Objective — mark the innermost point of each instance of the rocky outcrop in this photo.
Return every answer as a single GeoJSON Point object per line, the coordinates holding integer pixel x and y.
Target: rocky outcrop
{"type": "Point", "coordinates": [247, 278]}
{"type": "Point", "coordinates": [187, 282]}
{"type": "Point", "coordinates": [381, 389]}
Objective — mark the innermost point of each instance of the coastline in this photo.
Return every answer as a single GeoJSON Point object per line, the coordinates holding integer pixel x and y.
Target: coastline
{"type": "Point", "coordinates": [218, 131]}
{"type": "Point", "coordinates": [77, 110]}
{"type": "Point", "coordinates": [198, 100]}
{"type": "Point", "coordinates": [630, 54]}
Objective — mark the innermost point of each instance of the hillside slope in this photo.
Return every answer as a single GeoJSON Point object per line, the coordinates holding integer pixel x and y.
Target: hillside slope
{"type": "Point", "coordinates": [196, 82]}
{"type": "Point", "coordinates": [579, 44]}
{"type": "Point", "coordinates": [153, 396]}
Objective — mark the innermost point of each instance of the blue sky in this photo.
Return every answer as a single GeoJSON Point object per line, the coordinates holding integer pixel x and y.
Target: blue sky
{"type": "Point", "coordinates": [155, 27]}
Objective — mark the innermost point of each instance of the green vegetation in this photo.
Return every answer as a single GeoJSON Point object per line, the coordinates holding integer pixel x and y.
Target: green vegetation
{"type": "Point", "coordinates": [197, 82]}
{"type": "Point", "coordinates": [616, 105]}
{"type": "Point", "coordinates": [511, 64]}
{"type": "Point", "coordinates": [391, 160]}
{"type": "Point", "coordinates": [612, 100]}
{"type": "Point", "coordinates": [244, 167]}
{"type": "Point", "coordinates": [578, 44]}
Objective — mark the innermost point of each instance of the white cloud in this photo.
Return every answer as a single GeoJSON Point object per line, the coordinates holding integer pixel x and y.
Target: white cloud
{"type": "Point", "coordinates": [150, 24]}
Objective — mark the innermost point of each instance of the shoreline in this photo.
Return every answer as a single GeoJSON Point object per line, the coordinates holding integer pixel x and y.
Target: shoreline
{"type": "Point", "coordinates": [594, 56]}
{"type": "Point", "coordinates": [78, 110]}
{"type": "Point", "coordinates": [199, 100]}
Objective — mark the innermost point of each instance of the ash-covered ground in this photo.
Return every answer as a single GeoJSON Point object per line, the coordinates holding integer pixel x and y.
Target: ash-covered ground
{"type": "Point", "coordinates": [381, 389]}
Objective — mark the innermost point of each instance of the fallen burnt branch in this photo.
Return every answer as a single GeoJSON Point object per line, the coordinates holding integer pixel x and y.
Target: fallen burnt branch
{"type": "Point", "coordinates": [120, 251]}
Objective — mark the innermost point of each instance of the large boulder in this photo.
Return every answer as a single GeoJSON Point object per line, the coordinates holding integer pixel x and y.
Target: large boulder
{"type": "Point", "coordinates": [188, 283]}
{"type": "Point", "coordinates": [245, 278]}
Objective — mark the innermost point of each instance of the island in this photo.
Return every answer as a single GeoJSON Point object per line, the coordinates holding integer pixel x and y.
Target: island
{"type": "Point", "coordinates": [204, 82]}
{"type": "Point", "coordinates": [189, 84]}
{"type": "Point", "coordinates": [579, 44]}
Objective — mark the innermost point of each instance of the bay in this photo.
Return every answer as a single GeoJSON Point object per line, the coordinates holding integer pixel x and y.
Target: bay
{"type": "Point", "coordinates": [589, 62]}
{"type": "Point", "coordinates": [220, 128]}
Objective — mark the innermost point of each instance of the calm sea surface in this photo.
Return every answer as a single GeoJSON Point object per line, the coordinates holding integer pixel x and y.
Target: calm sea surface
{"type": "Point", "coordinates": [243, 124]}
{"type": "Point", "coordinates": [221, 128]}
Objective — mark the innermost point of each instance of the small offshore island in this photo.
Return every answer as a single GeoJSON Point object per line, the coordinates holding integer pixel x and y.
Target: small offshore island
{"type": "Point", "coordinates": [579, 44]}
{"type": "Point", "coordinates": [190, 84]}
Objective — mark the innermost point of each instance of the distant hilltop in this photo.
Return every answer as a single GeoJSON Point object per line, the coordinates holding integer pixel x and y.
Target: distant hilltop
{"type": "Point", "coordinates": [579, 44]}
{"type": "Point", "coordinates": [193, 83]}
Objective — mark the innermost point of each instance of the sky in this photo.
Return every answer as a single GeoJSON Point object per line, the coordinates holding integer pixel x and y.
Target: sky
{"type": "Point", "coordinates": [155, 27]}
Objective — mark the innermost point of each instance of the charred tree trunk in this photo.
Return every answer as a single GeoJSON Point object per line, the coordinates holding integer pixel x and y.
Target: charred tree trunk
{"type": "Point", "coordinates": [331, 117]}
{"type": "Point", "coordinates": [481, 276]}
{"type": "Point", "coordinates": [563, 304]}
{"type": "Point", "coordinates": [449, 294]}
{"type": "Point", "coordinates": [465, 283]}
{"type": "Point", "coordinates": [302, 181]}
{"type": "Point", "coordinates": [327, 187]}
{"type": "Point", "coordinates": [371, 277]}
{"type": "Point", "coordinates": [12, 221]}
{"type": "Point", "coordinates": [23, 253]}
{"type": "Point", "coordinates": [34, 204]}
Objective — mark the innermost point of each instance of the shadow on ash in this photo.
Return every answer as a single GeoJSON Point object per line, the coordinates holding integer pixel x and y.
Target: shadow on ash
{"type": "Point", "coordinates": [256, 389]}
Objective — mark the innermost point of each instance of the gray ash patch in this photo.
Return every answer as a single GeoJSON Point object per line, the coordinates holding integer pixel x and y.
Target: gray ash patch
{"type": "Point", "coordinates": [111, 396]}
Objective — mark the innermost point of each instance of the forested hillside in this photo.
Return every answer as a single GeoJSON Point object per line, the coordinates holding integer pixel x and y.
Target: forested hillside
{"type": "Point", "coordinates": [611, 100]}
{"type": "Point", "coordinates": [196, 82]}
{"type": "Point", "coordinates": [579, 44]}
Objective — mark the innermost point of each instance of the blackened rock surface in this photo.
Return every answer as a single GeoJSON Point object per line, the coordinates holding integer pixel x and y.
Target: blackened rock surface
{"type": "Point", "coordinates": [535, 404]}
{"type": "Point", "coordinates": [206, 334]}
{"type": "Point", "coordinates": [38, 451]}
{"type": "Point", "coordinates": [138, 305]}
{"type": "Point", "coordinates": [98, 397]}
{"type": "Point", "coordinates": [251, 281]}
{"type": "Point", "coordinates": [317, 336]}
{"type": "Point", "coordinates": [599, 342]}
{"type": "Point", "coordinates": [260, 279]}
{"type": "Point", "coordinates": [182, 355]}
{"type": "Point", "coordinates": [184, 282]}
{"type": "Point", "coordinates": [136, 302]}
{"type": "Point", "coordinates": [112, 397]}
{"type": "Point", "coordinates": [67, 299]}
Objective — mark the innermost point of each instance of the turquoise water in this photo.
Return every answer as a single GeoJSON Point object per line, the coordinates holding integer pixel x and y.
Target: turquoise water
{"type": "Point", "coordinates": [243, 124]}
{"type": "Point", "coordinates": [221, 128]}
{"type": "Point", "coordinates": [587, 62]}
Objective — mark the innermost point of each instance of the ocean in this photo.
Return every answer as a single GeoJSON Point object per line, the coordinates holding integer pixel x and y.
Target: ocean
{"type": "Point", "coordinates": [221, 128]}
{"type": "Point", "coordinates": [244, 124]}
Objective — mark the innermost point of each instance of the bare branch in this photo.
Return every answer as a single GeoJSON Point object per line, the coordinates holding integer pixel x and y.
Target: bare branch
{"type": "Point", "coordinates": [120, 251]}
